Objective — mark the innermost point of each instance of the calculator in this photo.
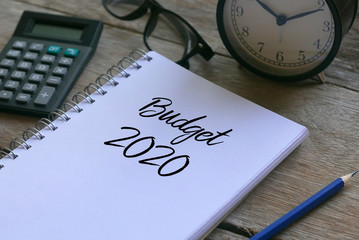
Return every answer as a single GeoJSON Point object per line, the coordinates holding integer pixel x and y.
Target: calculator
{"type": "Point", "coordinates": [43, 59]}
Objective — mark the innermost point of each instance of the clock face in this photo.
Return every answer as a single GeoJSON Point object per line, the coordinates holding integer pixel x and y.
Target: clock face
{"type": "Point", "coordinates": [281, 38]}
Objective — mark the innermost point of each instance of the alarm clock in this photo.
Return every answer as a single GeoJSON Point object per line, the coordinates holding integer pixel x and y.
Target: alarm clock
{"type": "Point", "coordinates": [284, 39]}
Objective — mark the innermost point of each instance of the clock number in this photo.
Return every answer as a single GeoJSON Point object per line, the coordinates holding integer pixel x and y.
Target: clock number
{"type": "Point", "coordinates": [317, 44]}
{"type": "Point", "coordinates": [321, 3]}
{"type": "Point", "coordinates": [326, 26]}
{"type": "Point", "coordinates": [239, 11]}
{"type": "Point", "coordinates": [279, 56]}
{"type": "Point", "coordinates": [245, 31]}
{"type": "Point", "coordinates": [261, 45]}
{"type": "Point", "coordinates": [301, 56]}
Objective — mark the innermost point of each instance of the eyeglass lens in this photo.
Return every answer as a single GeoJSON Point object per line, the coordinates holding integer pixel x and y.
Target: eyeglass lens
{"type": "Point", "coordinates": [180, 40]}
{"type": "Point", "coordinates": [162, 26]}
{"type": "Point", "coordinates": [122, 8]}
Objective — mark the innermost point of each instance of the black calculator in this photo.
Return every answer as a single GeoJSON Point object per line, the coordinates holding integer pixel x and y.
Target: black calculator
{"type": "Point", "coordinates": [43, 59]}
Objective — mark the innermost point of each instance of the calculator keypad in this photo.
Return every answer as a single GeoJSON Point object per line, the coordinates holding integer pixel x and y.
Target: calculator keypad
{"type": "Point", "coordinates": [32, 72]}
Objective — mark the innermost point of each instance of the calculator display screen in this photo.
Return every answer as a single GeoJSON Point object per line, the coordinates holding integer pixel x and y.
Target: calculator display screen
{"type": "Point", "coordinates": [56, 31]}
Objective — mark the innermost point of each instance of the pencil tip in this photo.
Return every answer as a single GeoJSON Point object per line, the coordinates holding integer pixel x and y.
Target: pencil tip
{"type": "Point", "coordinates": [355, 173]}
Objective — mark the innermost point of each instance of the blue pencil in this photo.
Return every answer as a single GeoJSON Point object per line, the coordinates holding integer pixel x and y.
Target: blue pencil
{"type": "Point", "coordinates": [303, 208]}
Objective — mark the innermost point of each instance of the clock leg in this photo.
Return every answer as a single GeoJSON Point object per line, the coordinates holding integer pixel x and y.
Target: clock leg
{"type": "Point", "coordinates": [320, 77]}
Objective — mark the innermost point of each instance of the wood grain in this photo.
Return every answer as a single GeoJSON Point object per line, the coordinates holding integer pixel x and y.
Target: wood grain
{"type": "Point", "coordinates": [330, 111]}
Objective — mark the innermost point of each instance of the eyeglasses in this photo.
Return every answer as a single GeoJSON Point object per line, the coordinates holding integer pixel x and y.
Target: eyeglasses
{"type": "Point", "coordinates": [184, 40]}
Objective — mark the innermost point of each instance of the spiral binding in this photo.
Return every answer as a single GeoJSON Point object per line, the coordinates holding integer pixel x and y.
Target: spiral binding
{"type": "Point", "coordinates": [85, 95]}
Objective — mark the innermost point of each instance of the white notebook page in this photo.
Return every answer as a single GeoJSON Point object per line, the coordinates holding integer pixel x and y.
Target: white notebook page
{"type": "Point", "coordinates": [71, 185]}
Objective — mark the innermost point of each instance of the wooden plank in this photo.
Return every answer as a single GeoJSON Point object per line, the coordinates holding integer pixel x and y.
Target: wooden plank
{"type": "Point", "coordinates": [202, 15]}
{"type": "Point", "coordinates": [328, 110]}
{"type": "Point", "coordinates": [220, 234]}
{"type": "Point", "coordinates": [330, 151]}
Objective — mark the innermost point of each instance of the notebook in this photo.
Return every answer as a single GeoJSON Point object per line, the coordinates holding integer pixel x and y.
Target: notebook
{"type": "Point", "coordinates": [157, 152]}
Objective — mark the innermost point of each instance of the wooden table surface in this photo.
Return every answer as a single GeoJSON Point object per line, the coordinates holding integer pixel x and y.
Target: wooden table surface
{"type": "Point", "coordinates": [330, 111]}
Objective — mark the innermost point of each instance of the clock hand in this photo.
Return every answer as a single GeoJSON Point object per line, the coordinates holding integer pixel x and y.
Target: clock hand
{"type": "Point", "coordinates": [304, 14]}
{"type": "Point", "coordinates": [267, 8]}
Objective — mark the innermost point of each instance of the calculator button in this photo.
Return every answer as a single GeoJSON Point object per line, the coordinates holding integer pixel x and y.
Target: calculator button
{"type": "Point", "coordinates": [5, 95]}
{"type": "Point", "coordinates": [18, 75]}
{"type": "Point", "coordinates": [3, 72]}
{"type": "Point", "coordinates": [19, 45]}
{"type": "Point", "coordinates": [53, 81]}
{"type": "Point", "coordinates": [54, 49]}
{"type": "Point", "coordinates": [36, 47]}
{"type": "Point", "coordinates": [15, 54]}
{"type": "Point", "coordinates": [44, 95]}
{"type": "Point", "coordinates": [26, 66]}
{"type": "Point", "coordinates": [60, 71]}
{"type": "Point", "coordinates": [48, 59]}
{"type": "Point", "coordinates": [7, 63]}
{"type": "Point", "coordinates": [42, 68]}
{"type": "Point", "coordinates": [23, 98]}
{"type": "Point", "coordinates": [71, 52]}
{"type": "Point", "coordinates": [11, 85]}
{"type": "Point", "coordinates": [29, 87]}
{"type": "Point", "coordinates": [64, 61]}
{"type": "Point", "coordinates": [30, 56]}
{"type": "Point", "coordinates": [36, 78]}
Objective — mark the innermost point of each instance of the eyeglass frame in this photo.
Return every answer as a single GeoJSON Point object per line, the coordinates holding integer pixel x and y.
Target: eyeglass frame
{"type": "Point", "coordinates": [200, 47]}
